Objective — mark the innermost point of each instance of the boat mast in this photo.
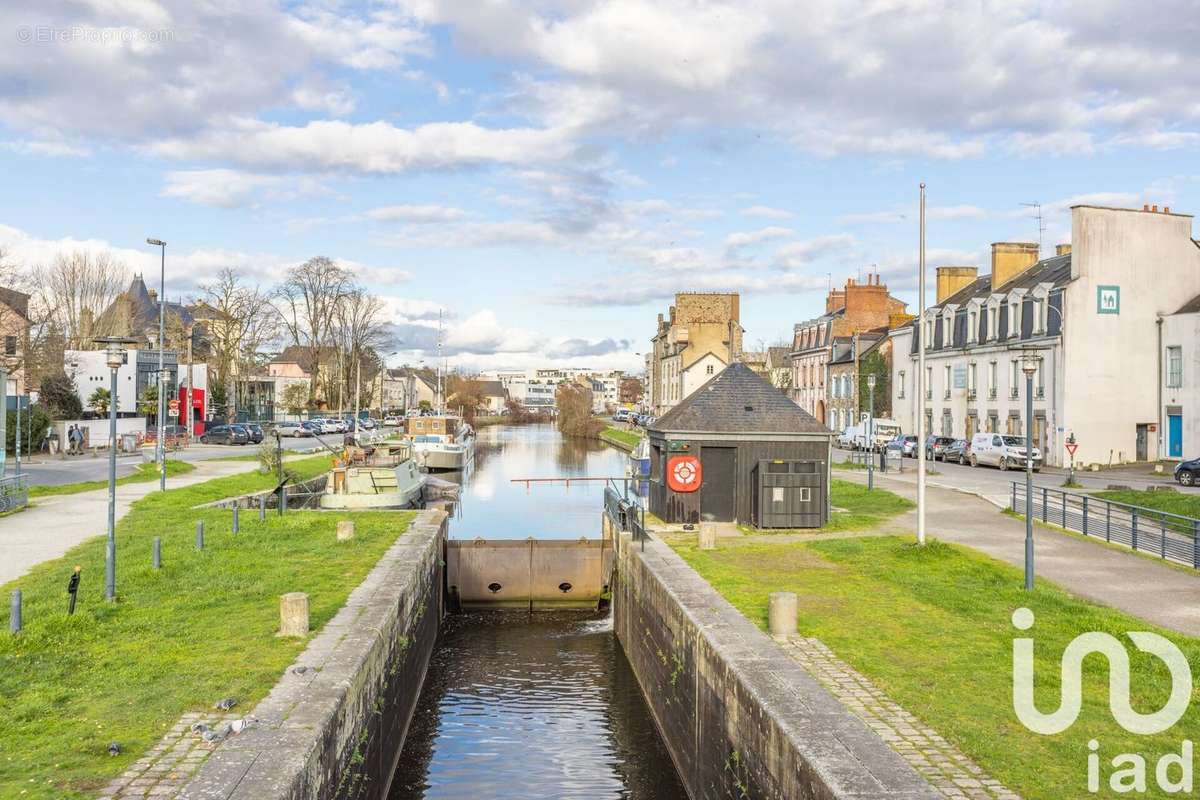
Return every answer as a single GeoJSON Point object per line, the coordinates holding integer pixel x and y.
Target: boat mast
{"type": "Point", "coordinates": [439, 364]}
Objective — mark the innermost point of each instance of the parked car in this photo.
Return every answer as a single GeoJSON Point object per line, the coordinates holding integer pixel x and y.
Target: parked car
{"type": "Point", "coordinates": [906, 443]}
{"type": "Point", "coordinates": [313, 426]}
{"type": "Point", "coordinates": [291, 429]}
{"type": "Point", "coordinates": [246, 430]}
{"type": "Point", "coordinates": [391, 421]}
{"type": "Point", "coordinates": [255, 432]}
{"type": "Point", "coordinates": [846, 438]}
{"type": "Point", "coordinates": [1186, 472]}
{"type": "Point", "coordinates": [959, 450]}
{"type": "Point", "coordinates": [622, 415]}
{"type": "Point", "coordinates": [992, 449]}
{"type": "Point", "coordinates": [225, 434]}
{"type": "Point", "coordinates": [934, 446]}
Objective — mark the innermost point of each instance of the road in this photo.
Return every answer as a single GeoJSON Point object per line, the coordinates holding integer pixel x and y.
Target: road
{"type": "Point", "coordinates": [54, 471]}
{"type": "Point", "coordinates": [995, 485]}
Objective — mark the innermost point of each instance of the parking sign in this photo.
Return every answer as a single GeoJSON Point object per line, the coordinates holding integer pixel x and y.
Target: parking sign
{"type": "Point", "coordinates": [1108, 299]}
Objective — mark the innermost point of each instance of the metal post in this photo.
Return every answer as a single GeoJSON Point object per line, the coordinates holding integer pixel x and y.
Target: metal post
{"type": "Point", "coordinates": [156, 554]}
{"type": "Point", "coordinates": [14, 614]}
{"type": "Point", "coordinates": [1045, 498]}
{"type": "Point", "coordinates": [200, 535]}
{"type": "Point", "coordinates": [17, 436]}
{"type": "Point", "coordinates": [921, 387]}
{"type": "Point", "coordinates": [1196, 544]}
{"type": "Point", "coordinates": [871, 439]}
{"type": "Point", "coordinates": [1133, 537]}
{"type": "Point", "coordinates": [110, 550]}
{"type": "Point", "coordinates": [1029, 481]}
{"type": "Point", "coordinates": [262, 507]}
{"type": "Point", "coordinates": [162, 387]}
{"type": "Point", "coordinates": [1014, 496]}
{"type": "Point", "coordinates": [1085, 514]}
{"type": "Point", "coordinates": [235, 519]}
{"type": "Point", "coordinates": [279, 474]}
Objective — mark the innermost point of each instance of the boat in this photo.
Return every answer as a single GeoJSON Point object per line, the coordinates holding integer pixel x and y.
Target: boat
{"type": "Point", "coordinates": [639, 460]}
{"type": "Point", "coordinates": [385, 480]}
{"type": "Point", "coordinates": [440, 442]}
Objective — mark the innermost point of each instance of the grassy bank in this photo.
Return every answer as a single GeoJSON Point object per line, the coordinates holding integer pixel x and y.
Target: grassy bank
{"type": "Point", "coordinates": [931, 626]}
{"type": "Point", "coordinates": [144, 472]}
{"type": "Point", "coordinates": [625, 440]}
{"type": "Point", "coordinates": [1185, 503]}
{"type": "Point", "coordinates": [180, 638]}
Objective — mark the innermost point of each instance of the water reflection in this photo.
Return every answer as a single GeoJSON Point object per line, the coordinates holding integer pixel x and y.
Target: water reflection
{"type": "Point", "coordinates": [493, 507]}
{"type": "Point", "coordinates": [524, 706]}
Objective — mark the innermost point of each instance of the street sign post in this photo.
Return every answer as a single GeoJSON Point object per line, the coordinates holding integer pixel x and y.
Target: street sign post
{"type": "Point", "coordinates": [1072, 446]}
{"type": "Point", "coordinates": [173, 408]}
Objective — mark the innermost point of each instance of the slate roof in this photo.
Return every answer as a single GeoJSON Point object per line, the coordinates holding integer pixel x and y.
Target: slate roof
{"type": "Point", "coordinates": [1055, 270]}
{"type": "Point", "coordinates": [134, 312]}
{"type": "Point", "coordinates": [778, 356]}
{"type": "Point", "coordinates": [738, 400]}
{"type": "Point", "coordinates": [17, 301]}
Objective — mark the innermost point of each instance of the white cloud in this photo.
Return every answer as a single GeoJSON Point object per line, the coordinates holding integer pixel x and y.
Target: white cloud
{"type": "Point", "coordinates": [912, 213]}
{"type": "Point", "coordinates": [766, 212]}
{"type": "Point", "coordinates": [416, 213]}
{"type": "Point", "coordinates": [797, 254]}
{"type": "Point", "coordinates": [747, 238]}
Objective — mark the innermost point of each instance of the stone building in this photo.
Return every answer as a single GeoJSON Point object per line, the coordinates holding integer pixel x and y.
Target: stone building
{"type": "Point", "coordinates": [856, 308]}
{"type": "Point", "coordinates": [700, 335]}
{"type": "Point", "coordinates": [849, 364]}
{"type": "Point", "coordinates": [14, 328]}
{"type": "Point", "coordinates": [1096, 310]}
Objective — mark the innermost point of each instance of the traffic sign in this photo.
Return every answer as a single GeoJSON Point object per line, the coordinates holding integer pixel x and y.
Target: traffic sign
{"type": "Point", "coordinates": [173, 408]}
{"type": "Point", "coordinates": [1072, 447]}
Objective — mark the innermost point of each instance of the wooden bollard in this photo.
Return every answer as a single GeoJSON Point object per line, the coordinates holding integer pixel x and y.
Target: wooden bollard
{"type": "Point", "coordinates": [782, 608]}
{"type": "Point", "coordinates": [293, 614]}
{"type": "Point", "coordinates": [345, 530]}
{"type": "Point", "coordinates": [708, 536]}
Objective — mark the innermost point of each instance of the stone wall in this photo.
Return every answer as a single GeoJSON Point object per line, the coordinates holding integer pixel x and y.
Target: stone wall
{"type": "Point", "coordinates": [335, 723]}
{"type": "Point", "coordinates": [740, 717]}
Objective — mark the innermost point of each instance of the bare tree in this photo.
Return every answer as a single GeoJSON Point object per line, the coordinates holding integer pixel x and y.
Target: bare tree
{"type": "Point", "coordinates": [239, 320]}
{"type": "Point", "coordinates": [358, 334]}
{"type": "Point", "coordinates": [308, 300]}
{"type": "Point", "coordinates": [71, 292]}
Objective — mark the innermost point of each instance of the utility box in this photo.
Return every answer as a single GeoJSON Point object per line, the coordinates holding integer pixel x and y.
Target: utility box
{"type": "Point", "coordinates": [790, 494]}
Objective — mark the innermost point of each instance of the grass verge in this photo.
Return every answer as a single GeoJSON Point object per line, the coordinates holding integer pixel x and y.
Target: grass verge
{"type": "Point", "coordinates": [931, 626]}
{"type": "Point", "coordinates": [862, 509]}
{"type": "Point", "coordinates": [626, 440]}
{"type": "Point", "coordinates": [1185, 503]}
{"type": "Point", "coordinates": [144, 472]}
{"type": "Point", "coordinates": [180, 638]}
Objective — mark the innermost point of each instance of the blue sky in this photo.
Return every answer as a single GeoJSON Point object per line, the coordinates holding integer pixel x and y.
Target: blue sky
{"type": "Point", "coordinates": [550, 172]}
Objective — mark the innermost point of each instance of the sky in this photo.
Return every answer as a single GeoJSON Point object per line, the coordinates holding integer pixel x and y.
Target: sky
{"type": "Point", "coordinates": [547, 174]}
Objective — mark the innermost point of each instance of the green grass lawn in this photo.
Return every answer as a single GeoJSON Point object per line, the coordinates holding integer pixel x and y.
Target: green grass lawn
{"type": "Point", "coordinates": [628, 439]}
{"type": "Point", "coordinates": [849, 465]}
{"type": "Point", "coordinates": [144, 472]}
{"type": "Point", "coordinates": [863, 509]}
{"type": "Point", "coordinates": [200, 629]}
{"type": "Point", "coordinates": [1185, 503]}
{"type": "Point", "coordinates": [931, 626]}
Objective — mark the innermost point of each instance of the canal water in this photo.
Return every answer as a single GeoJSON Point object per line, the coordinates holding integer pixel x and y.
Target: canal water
{"type": "Point", "coordinates": [524, 706]}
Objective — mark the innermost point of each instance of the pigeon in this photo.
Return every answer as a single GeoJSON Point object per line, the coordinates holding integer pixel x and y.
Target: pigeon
{"type": "Point", "coordinates": [227, 703]}
{"type": "Point", "coordinates": [114, 749]}
{"type": "Point", "coordinates": [300, 670]}
{"type": "Point", "coordinates": [219, 734]}
{"type": "Point", "coordinates": [199, 727]}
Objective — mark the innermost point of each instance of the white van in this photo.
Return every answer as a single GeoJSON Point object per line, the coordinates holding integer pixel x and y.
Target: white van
{"type": "Point", "coordinates": [997, 450]}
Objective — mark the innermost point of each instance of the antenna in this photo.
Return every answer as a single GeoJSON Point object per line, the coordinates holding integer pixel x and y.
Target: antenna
{"type": "Point", "coordinates": [439, 364]}
{"type": "Point", "coordinates": [1041, 223]}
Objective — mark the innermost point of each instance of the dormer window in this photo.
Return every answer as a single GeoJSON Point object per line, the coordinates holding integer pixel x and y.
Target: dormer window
{"type": "Point", "coordinates": [993, 322]}
{"type": "Point", "coordinates": [1039, 315]}
{"type": "Point", "coordinates": [1014, 318]}
{"type": "Point", "coordinates": [972, 324]}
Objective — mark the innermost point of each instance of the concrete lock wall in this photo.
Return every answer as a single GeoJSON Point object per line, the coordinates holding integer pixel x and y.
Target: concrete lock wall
{"type": "Point", "coordinates": [739, 716]}
{"type": "Point", "coordinates": [527, 573]}
{"type": "Point", "coordinates": [335, 728]}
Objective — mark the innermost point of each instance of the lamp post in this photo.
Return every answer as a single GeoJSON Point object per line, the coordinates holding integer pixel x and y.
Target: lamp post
{"type": "Point", "coordinates": [871, 434]}
{"type": "Point", "coordinates": [160, 451]}
{"type": "Point", "coordinates": [114, 356]}
{"type": "Point", "coordinates": [921, 387]}
{"type": "Point", "coordinates": [1029, 365]}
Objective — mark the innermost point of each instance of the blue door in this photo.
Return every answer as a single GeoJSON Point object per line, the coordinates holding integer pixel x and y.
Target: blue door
{"type": "Point", "coordinates": [1175, 436]}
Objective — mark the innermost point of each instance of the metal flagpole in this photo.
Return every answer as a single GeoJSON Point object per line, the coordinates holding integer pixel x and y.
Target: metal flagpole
{"type": "Point", "coordinates": [921, 388]}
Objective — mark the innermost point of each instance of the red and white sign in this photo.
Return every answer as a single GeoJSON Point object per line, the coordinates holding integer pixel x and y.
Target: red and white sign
{"type": "Point", "coordinates": [684, 474]}
{"type": "Point", "coordinates": [1072, 447]}
{"type": "Point", "coordinates": [173, 407]}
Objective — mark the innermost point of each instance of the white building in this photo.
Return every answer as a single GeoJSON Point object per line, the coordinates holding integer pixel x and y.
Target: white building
{"type": "Point", "coordinates": [1094, 309]}
{"type": "Point", "coordinates": [89, 371]}
{"type": "Point", "coordinates": [1181, 381]}
{"type": "Point", "coordinates": [534, 396]}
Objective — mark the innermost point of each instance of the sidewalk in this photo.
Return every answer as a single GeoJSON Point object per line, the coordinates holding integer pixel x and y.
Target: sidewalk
{"type": "Point", "coordinates": [55, 524]}
{"type": "Point", "coordinates": [1160, 594]}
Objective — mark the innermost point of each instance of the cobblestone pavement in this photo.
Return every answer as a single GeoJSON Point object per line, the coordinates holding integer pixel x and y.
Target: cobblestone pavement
{"type": "Point", "coordinates": [946, 769]}
{"type": "Point", "coordinates": [167, 766]}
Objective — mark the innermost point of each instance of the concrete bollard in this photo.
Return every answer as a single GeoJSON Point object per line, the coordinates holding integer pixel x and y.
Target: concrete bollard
{"type": "Point", "coordinates": [262, 508]}
{"type": "Point", "coordinates": [708, 536]}
{"type": "Point", "coordinates": [782, 608]}
{"type": "Point", "coordinates": [156, 553]}
{"type": "Point", "coordinates": [293, 614]}
{"type": "Point", "coordinates": [235, 519]}
{"type": "Point", "coordinates": [200, 535]}
{"type": "Point", "coordinates": [345, 530]}
{"type": "Point", "coordinates": [14, 615]}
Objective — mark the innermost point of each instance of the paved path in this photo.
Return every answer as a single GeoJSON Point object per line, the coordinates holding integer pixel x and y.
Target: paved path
{"type": "Point", "coordinates": [57, 523]}
{"type": "Point", "coordinates": [1147, 589]}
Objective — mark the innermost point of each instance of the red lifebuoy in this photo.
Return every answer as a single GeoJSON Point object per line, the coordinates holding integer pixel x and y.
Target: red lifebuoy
{"type": "Point", "coordinates": [684, 474]}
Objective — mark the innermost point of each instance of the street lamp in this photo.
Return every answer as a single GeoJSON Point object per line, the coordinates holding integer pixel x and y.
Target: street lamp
{"type": "Point", "coordinates": [160, 453]}
{"type": "Point", "coordinates": [1029, 365]}
{"type": "Point", "coordinates": [871, 434]}
{"type": "Point", "coordinates": [114, 356]}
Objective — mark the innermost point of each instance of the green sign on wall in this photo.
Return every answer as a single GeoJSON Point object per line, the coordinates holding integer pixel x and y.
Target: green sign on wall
{"type": "Point", "coordinates": [1108, 299]}
{"type": "Point", "coordinates": [678, 446]}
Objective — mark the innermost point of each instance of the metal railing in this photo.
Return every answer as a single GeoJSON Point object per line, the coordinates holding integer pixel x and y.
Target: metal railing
{"type": "Point", "coordinates": [1172, 537]}
{"type": "Point", "coordinates": [14, 492]}
{"type": "Point", "coordinates": [624, 511]}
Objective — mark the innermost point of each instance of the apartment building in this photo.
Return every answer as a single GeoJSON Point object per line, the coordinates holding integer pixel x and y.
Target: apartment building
{"type": "Point", "coordinates": [700, 335]}
{"type": "Point", "coordinates": [1181, 381]}
{"type": "Point", "coordinates": [1092, 312]}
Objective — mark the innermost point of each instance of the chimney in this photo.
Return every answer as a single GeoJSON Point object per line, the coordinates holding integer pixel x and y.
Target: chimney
{"type": "Point", "coordinates": [951, 280]}
{"type": "Point", "coordinates": [1166, 209]}
{"type": "Point", "coordinates": [835, 300]}
{"type": "Point", "coordinates": [1154, 208]}
{"type": "Point", "coordinates": [1010, 259]}
{"type": "Point", "coordinates": [1145, 206]}
{"type": "Point", "coordinates": [1062, 249]}
{"type": "Point", "coordinates": [153, 296]}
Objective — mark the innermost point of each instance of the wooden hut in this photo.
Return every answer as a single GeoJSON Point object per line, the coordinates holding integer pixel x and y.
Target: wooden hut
{"type": "Point", "coordinates": [738, 450]}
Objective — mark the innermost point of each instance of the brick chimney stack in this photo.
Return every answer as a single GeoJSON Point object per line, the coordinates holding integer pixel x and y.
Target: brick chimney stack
{"type": "Point", "coordinates": [951, 280]}
{"type": "Point", "coordinates": [1010, 259]}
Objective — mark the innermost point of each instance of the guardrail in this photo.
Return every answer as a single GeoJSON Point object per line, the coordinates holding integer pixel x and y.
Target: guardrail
{"type": "Point", "coordinates": [625, 512]}
{"type": "Point", "coordinates": [14, 492]}
{"type": "Point", "coordinates": [1171, 537]}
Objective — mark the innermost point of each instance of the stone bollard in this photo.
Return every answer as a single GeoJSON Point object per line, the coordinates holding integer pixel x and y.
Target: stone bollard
{"type": "Point", "coordinates": [14, 614]}
{"type": "Point", "coordinates": [235, 519]}
{"type": "Point", "coordinates": [262, 508]}
{"type": "Point", "coordinates": [293, 614]}
{"type": "Point", "coordinates": [200, 535]}
{"type": "Point", "coordinates": [345, 530]}
{"type": "Point", "coordinates": [782, 608]}
{"type": "Point", "coordinates": [156, 554]}
{"type": "Point", "coordinates": [708, 536]}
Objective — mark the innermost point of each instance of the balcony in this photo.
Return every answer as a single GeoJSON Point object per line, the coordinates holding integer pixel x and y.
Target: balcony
{"type": "Point", "coordinates": [1039, 393]}
{"type": "Point", "coordinates": [929, 394]}
{"type": "Point", "coordinates": [1013, 394]}
{"type": "Point", "coordinates": [946, 395]}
